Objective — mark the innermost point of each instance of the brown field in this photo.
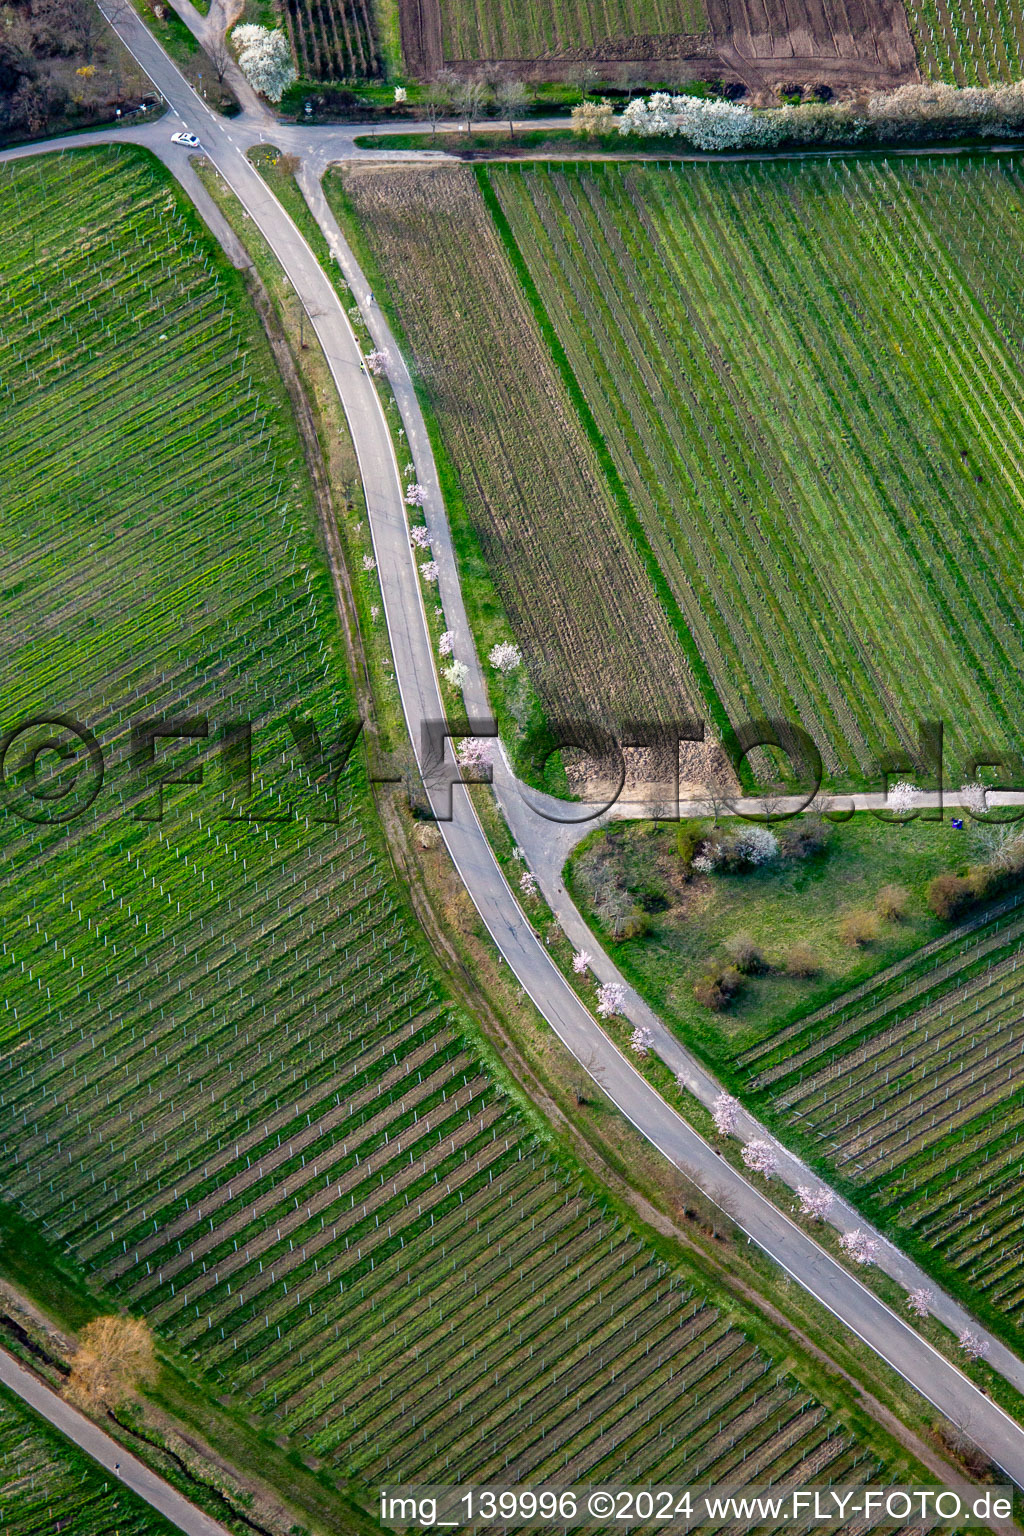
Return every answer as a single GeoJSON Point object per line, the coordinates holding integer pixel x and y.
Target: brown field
{"type": "Point", "coordinates": [593, 634]}
{"type": "Point", "coordinates": [838, 42]}
{"type": "Point", "coordinates": [757, 43]}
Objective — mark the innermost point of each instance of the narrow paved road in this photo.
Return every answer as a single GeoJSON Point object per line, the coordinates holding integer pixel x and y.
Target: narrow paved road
{"type": "Point", "coordinates": [225, 141]}
{"type": "Point", "coordinates": [133, 1473]}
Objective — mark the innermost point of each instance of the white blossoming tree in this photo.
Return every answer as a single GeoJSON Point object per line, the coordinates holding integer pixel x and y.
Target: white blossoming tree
{"type": "Point", "coordinates": [973, 1345]}
{"type": "Point", "coordinates": [420, 538]}
{"type": "Point", "coordinates": [902, 798]}
{"type": "Point", "coordinates": [724, 1112]}
{"type": "Point", "coordinates": [580, 961]}
{"type": "Point", "coordinates": [455, 675]}
{"type": "Point", "coordinates": [816, 1203]}
{"type": "Point", "coordinates": [430, 571]}
{"type": "Point", "coordinates": [859, 1246]}
{"type": "Point", "coordinates": [475, 751]}
{"type": "Point", "coordinates": [920, 1301]}
{"type": "Point", "coordinates": [506, 657]}
{"type": "Point", "coordinates": [378, 362]}
{"type": "Point", "coordinates": [756, 845]}
{"type": "Point", "coordinates": [759, 1157]}
{"type": "Point", "coordinates": [415, 494]}
{"type": "Point", "coordinates": [641, 1040]}
{"type": "Point", "coordinates": [446, 643]}
{"type": "Point", "coordinates": [708, 124]}
{"type": "Point", "coordinates": [528, 883]}
{"type": "Point", "coordinates": [265, 59]}
{"type": "Point", "coordinates": [610, 997]}
{"type": "Point", "coordinates": [974, 798]}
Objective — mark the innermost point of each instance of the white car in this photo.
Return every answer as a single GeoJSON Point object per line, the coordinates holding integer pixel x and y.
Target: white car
{"type": "Point", "coordinates": [188, 139]}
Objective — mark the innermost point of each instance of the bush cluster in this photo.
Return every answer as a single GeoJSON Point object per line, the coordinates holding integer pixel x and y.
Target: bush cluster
{"type": "Point", "coordinates": [717, 988]}
{"type": "Point", "coordinates": [951, 895]}
{"type": "Point", "coordinates": [745, 955]}
{"type": "Point", "coordinates": [908, 115]}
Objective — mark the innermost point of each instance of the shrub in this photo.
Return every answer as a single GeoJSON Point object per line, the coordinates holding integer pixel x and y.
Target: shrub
{"type": "Point", "coordinates": [804, 838]}
{"type": "Point", "coordinates": [688, 840]}
{"type": "Point", "coordinates": [621, 915]}
{"type": "Point", "coordinates": [590, 119]}
{"type": "Point", "coordinates": [802, 961]}
{"type": "Point", "coordinates": [717, 988]}
{"type": "Point", "coordinates": [745, 955]}
{"type": "Point", "coordinates": [891, 903]}
{"type": "Point", "coordinates": [984, 881]}
{"type": "Point", "coordinates": [949, 896]}
{"type": "Point", "coordinates": [748, 848]}
{"type": "Point", "coordinates": [858, 928]}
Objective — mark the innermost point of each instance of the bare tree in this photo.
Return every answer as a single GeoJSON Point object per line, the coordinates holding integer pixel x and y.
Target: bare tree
{"type": "Point", "coordinates": [511, 97]}
{"type": "Point", "coordinates": [582, 76]}
{"type": "Point", "coordinates": [220, 56]}
{"type": "Point", "coordinates": [719, 794]}
{"type": "Point", "coordinates": [469, 101]}
{"type": "Point", "coordinates": [439, 96]}
{"type": "Point", "coordinates": [773, 802]}
{"type": "Point", "coordinates": [115, 1354]}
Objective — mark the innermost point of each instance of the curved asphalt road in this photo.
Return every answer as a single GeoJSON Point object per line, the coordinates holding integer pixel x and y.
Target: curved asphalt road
{"type": "Point", "coordinates": [839, 1290]}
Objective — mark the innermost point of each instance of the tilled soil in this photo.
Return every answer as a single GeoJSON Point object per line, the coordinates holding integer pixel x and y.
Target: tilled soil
{"type": "Point", "coordinates": [760, 44]}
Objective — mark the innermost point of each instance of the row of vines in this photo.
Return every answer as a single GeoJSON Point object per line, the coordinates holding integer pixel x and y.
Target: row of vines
{"type": "Point", "coordinates": [969, 42]}
{"type": "Point", "coordinates": [808, 378]}
{"type": "Point", "coordinates": [231, 1087]}
{"type": "Point", "coordinates": [912, 1087]}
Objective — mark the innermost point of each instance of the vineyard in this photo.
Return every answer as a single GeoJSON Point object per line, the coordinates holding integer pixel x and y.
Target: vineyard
{"type": "Point", "coordinates": [569, 577]}
{"type": "Point", "coordinates": [502, 29]}
{"type": "Point", "coordinates": [334, 39]}
{"type": "Point", "coordinates": [969, 42]}
{"type": "Point", "coordinates": [911, 1086]}
{"type": "Point", "coordinates": [46, 1484]}
{"type": "Point", "coordinates": [808, 379]}
{"type": "Point", "coordinates": [231, 1086]}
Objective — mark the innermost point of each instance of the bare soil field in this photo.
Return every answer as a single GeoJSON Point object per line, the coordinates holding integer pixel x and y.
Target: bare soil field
{"type": "Point", "coordinates": [838, 42]}
{"type": "Point", "coordinates": [757, 43]}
